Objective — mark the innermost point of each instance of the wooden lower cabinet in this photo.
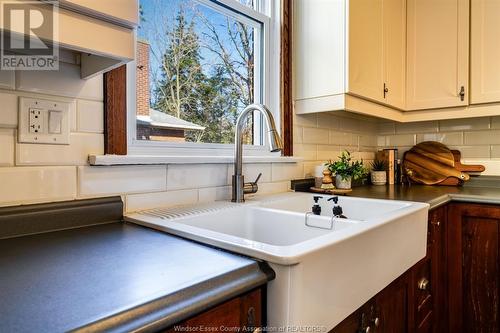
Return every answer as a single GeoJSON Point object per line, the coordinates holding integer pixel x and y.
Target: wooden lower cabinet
{"type": "Point", "coordinates": [244, 312]}
{"type": "Point", "coordinates": [454, 289]}
{"type": "Point", "coordinates": [415, 301]}
{"type": "Point", "coordinates": [473, 239]}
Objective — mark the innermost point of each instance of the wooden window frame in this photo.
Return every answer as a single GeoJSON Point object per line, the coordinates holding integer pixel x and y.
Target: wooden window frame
{"type": "Point", "coordinates": [115, 95]}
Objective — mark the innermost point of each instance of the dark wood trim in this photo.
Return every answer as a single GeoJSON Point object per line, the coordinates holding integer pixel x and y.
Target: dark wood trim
{"type": "Point", "coordinates": [286, 77]}
{"type": "Point", "coordinates": [115, 111]}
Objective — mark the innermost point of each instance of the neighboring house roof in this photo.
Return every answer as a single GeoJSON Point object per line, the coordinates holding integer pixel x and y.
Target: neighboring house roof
{"type": "Point", "coordinates": [163, 120]}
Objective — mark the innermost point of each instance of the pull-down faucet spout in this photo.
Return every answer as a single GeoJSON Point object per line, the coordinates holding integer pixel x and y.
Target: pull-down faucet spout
{"type": "Point", "coordinates": [275, 144]}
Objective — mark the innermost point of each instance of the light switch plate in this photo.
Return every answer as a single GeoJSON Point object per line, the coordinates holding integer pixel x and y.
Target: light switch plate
{"type": "Point", "coordinates": [43, 121]}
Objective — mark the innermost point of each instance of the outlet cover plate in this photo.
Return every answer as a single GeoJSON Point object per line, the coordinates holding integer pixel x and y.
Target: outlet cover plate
{"type": "Point", "coordinates": [45, 107]}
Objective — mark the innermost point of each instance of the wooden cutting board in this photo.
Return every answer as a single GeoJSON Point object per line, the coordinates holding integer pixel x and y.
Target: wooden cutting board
{"type": "Point", "coordinates": [452, 181]}
{"type": "Point", "coordinates": [432, 163]}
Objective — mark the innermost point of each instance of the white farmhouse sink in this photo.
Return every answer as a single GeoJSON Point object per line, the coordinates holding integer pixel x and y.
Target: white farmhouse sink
{"type": "Point", "coordinates": [324, 270]}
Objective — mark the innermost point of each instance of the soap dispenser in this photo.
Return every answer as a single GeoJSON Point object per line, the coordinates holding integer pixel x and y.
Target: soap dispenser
{"type": "Point", "coordinates": [316, 208]}
{"type": "Point", "coordinates": [337, 210]}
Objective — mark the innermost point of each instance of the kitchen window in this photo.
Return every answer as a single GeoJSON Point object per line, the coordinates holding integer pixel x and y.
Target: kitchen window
{"type": "Point", "coordinates": [199, 63]}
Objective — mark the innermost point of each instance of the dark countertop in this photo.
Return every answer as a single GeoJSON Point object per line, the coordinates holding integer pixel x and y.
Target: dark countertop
{"type": "Point", "coordinates": [114, 277]}
{"type": "Point", "coordinates": [433, 195]}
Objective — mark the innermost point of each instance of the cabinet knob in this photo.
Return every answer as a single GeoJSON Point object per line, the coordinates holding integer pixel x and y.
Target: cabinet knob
{"type": "Point", "coordinates": [436, 223]}
{"type": "Point", "coordinates": [386, 90]}
{"type": "Point", "coordinates": [376, 322]}
{"type": "Point", "coordinates": [251, 317]}
{"type": "Point", "coordinates": [423, 284]}
{"type": "Point", "coordinates": [462, 93]}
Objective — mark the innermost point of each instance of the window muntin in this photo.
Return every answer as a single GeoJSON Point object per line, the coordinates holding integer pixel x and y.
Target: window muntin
{"type": "Point", "coordinates": [218, 49]}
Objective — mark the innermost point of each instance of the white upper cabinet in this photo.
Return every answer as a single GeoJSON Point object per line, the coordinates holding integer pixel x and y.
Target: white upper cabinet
{"type": "Point", "coordinates": [122, 12]}
{"type": "Point", "coordinates": [348, 49]}
{"type": "Point", "coordinates": [102, 32]}
{"type": "Point", "coordinates": [395, 52]}
{"type": "Point", "coordinates": [366, 49]}
{"type": "Point", "coordinates": [485, 51]}
{"type": "Point", "coordinates": [319, 48]}
{"type": "Point", "coordinates": [377, 50]}
{"type": "Point", "coordinates": [437, 54]}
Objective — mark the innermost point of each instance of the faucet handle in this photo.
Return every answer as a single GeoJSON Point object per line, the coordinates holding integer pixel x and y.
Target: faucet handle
{"type": "Point", "coordinates": [258, 177]}
{"type": "Point", "coordinates": [251, 187]}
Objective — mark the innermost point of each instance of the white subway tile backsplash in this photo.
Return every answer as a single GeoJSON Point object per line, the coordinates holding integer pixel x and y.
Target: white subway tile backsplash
{"type": "Point", "coordinates": [7, 79]}
{"type": "Point", "coordinates": [386, 127]}
{"type": "Point", "coordinates": [465, 124]}
{"type": "Point", "coordinates": [36, 184]}
{"type": "Point", "coordinates": [350, 124]}
{"type": "Point", "coordinates": [307, 152]}
{"type": "Point", "coordinates": [143, 201]}
{"type": "Point", "coordinates": [8, 110]}
{"type": "Point", "coordinates": [343, 138]}
{"type": "Point", "coordinates": [473, 151]}
{"type": "Point", "coordinates": [363, 155]}
{"type": "Point", "coordinates": [316, 135]}
{"type": "Point", "coordinates": [76, 153]}
{"type": "Point", "coordinates": [210, 194]}
{"type": "Point", "coordinates": [251, 172]}
{"type": "Point", "coordinates": [328, 121]}
{"type": "Point", "coordinates": [482, 137]}
{"type": "Point", "coordinates": [495, 122]}
{"type": "Point", "coordinates": [99, 181]}
{"type": "Point", "coordinates": [308, 120]}
{"type": "Point", "coordinates": [64, 82]}
{"type": "Point", "coordinates": [417, 127]}
{"type": "Point", "coordinates": [328, 152]}
{"type": "Point", "coordinates": [495, 151]}
{"type": "Point", "coordinates": [90, 116]}
{"type": "Point", "coordinates": [297, 134]}
{"type": "Point", "coordinates": [367, 141]}
{"type": "Point", "coordinates": [400, 140]}
{"type": "Point", "coordinates": [447, 138]}
{"type": "Point", "coordinates": [7, 147]}
{"type": "Point", "coordinates": [188, 176]}
{"type": "Point", "coordinates": [287, 171]}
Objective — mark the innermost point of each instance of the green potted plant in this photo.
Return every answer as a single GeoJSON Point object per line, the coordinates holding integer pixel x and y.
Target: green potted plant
{"type": "Point", "coordinates": [379, 172]}
{"type": "Point", "coordinates": [346, 170]}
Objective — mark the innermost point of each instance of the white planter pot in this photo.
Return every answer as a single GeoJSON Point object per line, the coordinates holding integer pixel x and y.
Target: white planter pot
{"type": "Point", "coordinates": [379, 177]}
{"type": "Point", "coordinates": [343, 184]}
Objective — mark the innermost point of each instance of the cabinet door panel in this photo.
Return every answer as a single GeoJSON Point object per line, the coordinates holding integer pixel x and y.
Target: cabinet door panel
{"type": "Point", "coordinates": [485, 51]}
{"type": "Point", "coordinates": [395, 51]}
{"type": "Point", "coordinates": [319, 48]}
{"type": "Point", "coordinates": [473, 233]}
{"type": "Point", "coordinates": [366, 75]}
{"type": "Point", "coordinates": [392, 307]}
{"type": "Point", "coordinates": [438, 35]}
{"type": "Point", "coordinates": [480, 274]}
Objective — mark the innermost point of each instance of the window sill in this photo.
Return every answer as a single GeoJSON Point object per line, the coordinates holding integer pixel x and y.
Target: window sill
{"type": "Point", "coordinates": [109, 160]}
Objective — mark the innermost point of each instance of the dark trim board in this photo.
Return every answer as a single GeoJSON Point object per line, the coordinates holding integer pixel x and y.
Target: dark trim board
{"type": "Point", "coordinates": [39, 218]}
{"type": "Point", "coordinates": [115, 111]}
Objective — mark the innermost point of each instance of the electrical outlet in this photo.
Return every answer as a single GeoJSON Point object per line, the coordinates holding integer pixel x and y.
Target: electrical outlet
{"type": "Point", "coordinates": [36, 121]}
{"type": "Point", "coordinates": [43, 121]}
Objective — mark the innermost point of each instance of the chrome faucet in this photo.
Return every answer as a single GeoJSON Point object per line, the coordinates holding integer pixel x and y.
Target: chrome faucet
{"type": "Point", "coordinates": [240, 188]}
